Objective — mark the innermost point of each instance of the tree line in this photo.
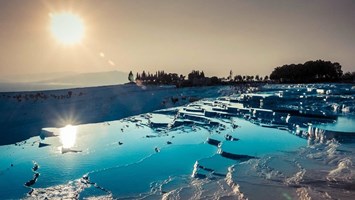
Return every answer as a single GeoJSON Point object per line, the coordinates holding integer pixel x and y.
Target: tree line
{"type": "Point", "coordinates": [311, 72]}
{"type": "Point", "coordinates": [308, 72]}
{"type": "Point", "coordinates": [194, 78]}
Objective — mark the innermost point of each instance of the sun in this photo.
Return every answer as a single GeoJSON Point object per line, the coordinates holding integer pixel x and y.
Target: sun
{"type": "Point", "coordinates": [68, 136]}
{"type": "Point", "coordinates": [67, 28]}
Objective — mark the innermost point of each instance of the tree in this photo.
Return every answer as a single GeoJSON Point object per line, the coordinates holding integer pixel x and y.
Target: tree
{"type": "Point", "coordinates": [202, 75]}
{"type": "Point", "coordinates": [349, 77]}
{"type": "Point", "coordinates": [215, 80]}
{"type": "Point", "coordinates": [195, 75]}
{"type": "Point", "coordinates": [130, 77]}
{"type": "Point", "coordinates": [144, 75]}
{"type": "Point", "coordinates": [238, 78]}
{"type": "Point", "coordinates": [310, 71]}
{"type": "Point", "coordinates": [182, 77]}
{"type": "Point", "coordinates": [257, 77]}
{"type": "Point", "coordinates": [266, 78]}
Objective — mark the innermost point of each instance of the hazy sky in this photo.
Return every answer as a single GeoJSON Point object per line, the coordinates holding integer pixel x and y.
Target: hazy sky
{"type": "Point", "coordinates": [247, 36]}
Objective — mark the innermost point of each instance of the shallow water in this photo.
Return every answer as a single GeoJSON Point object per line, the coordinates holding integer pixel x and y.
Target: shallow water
{"type": "Point", "coordinates": [215, 148]}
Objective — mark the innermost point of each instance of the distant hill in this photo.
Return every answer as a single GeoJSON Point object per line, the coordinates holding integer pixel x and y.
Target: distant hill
{"type": "Point", "coordinates": [26, 78]}
{"type": "Point", "coordinates": [61, 81]}
{"type": "Point", "coordinates": [90, 79]}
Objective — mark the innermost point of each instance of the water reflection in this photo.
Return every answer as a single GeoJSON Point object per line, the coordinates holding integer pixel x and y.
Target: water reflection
{"type": "Point", "coordinates": [68, 136]}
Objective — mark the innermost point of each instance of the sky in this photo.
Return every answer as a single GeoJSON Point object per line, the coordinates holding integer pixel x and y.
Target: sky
{"type": "Point", "coordinates": [246, 36]}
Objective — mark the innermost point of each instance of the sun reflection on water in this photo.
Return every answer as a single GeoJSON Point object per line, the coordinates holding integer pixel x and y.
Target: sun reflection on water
{"type": "Point", "coordinates": [68, 136]}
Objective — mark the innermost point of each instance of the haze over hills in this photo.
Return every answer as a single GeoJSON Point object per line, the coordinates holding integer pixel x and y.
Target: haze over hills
{"type": "Point", "coordinates": [62, 80]}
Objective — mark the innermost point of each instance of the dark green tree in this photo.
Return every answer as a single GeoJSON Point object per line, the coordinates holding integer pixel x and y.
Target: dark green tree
{"type": "Point", "coordinates": [130, 77]}
{"type": "Point", "coordinates": [310, 71]}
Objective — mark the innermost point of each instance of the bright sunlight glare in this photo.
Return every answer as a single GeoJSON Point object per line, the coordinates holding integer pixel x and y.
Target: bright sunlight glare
{"type": "Point", "coordinates": [67, 28]}
{"type": "Point", "coordinates": [68, 136]}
